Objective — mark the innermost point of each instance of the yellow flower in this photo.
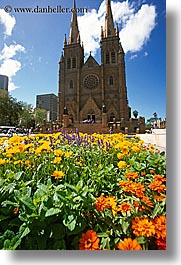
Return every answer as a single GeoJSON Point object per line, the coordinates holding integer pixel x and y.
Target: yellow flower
{"type": "Point", "coordinates": [79, 164]}
{"type": "Point", "coordinates": [119, 156]}
{"type": "Point", "coordinates": [18, 162]}
{"type": "Point", "coordinates": [58, 153]}
{"type": "Point", "coordinates": [121, 164]}
{"type": "Point", "coordinates": [2, 161]}
{"type": "Point", "coordinates": [68, 154]}
{"type": "Point", "coordinates": [57, 160]}
{"type": "Point", "coordinates": [135, 149]}
{"type": "Point", "coordinates": [58, 174]}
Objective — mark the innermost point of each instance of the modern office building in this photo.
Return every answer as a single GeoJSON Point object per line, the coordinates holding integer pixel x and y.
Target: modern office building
{"type": "Point", "coordinates": [4, 82]}
{"type": "Point", "coordinates": [49, 103]}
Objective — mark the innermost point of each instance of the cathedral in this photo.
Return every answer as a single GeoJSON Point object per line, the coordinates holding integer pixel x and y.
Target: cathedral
{"type": "Point", "coordinates": [89, 91]}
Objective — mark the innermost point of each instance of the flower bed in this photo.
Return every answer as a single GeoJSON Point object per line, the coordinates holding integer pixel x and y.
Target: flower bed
{"type": "Point", "coordinates": [76, 191]}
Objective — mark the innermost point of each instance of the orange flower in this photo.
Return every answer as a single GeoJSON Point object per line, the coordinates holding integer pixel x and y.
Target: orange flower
{"type": "Point", "coordinates": [111, 201]}
{"type": "Point", "coordinates": [143, 227]}
{"type": "Point", "coordinates": [89, 241]}
{"type": "Point", "coordinates": [132, 175]}
{"type": "Point", "coordinates": [124, 207]}
{"type": "Point", "coordinates": [143, 173]}
{"type": "Point", "coordinates": [151, 171]}
{"type": "Point", "coordinates": [133, 187]}
{"type": "Point", "coordinates": [106, 202]}
{"type": "Point", "coordinates": [101, 203]}
{"type": "Point", "coordinates": [160, 227]}
{"type": "Point", "coordinates": [159, 178]}
{"type": "Point", "coordinates": [147, 200]}
{"type": "Point", "coordinates": [159, 198]}
{"type": "Point", "coordinates": [135, 204]}
{"type": "Point", "coordinates": [157, 186]}
{"type": "Point", "coordinates": [161, 244]}
{"type": "Point", "coordinates": [129, 244]}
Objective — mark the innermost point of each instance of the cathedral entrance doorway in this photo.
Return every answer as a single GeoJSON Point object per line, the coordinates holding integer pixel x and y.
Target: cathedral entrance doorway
{"type": "Point", "coordinates": [91, 118]}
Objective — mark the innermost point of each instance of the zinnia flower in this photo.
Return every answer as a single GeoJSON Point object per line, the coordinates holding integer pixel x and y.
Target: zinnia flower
{"type": "Point", "coordinates": [157, 186]}
{"type": "Point", "coordinates": [143, 227]}
{"type": "Point", "coordinates": [129, 244]}
{"type": "Point", "coordinates": [124, 207]}
{"type": "Point", "coordinates": [101, 203]}
{"type": "Point", "coordinates": [2, 161]}
{"type": "Point", "coordinates": [121, 164]}
{"type": "Point", "coordinates": [119, 156]}
{"type": "Point", "coordinates": [58, 174]}
{"type": "Point", "coordinates": [89, 241]}
{"type": "Point", "coordinates": [161, 244]}
{"type": "Point", "coordinates": [132, 175]}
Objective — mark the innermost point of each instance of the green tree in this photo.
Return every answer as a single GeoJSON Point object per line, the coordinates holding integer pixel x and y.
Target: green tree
{"type": "Point", "coordinates": [27, 116]}
{"type": "Point", "coordinates": [10, 109]}
{"type": "Point", "coordinates": [40, 115]}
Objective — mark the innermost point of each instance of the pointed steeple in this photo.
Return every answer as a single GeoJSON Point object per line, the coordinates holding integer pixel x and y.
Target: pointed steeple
{"type": "Point", "coordinates": [74, 30]}
{"type": "Point", "coordinates": [109, 30]}
{"type": "Point", "coordinates": [65, 40]}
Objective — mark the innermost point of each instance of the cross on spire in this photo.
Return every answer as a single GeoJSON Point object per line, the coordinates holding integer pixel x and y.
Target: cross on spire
{"type": "Point", "coordinates": [74, 36]}
{"type": "Point", "coordinates": [109, 30]}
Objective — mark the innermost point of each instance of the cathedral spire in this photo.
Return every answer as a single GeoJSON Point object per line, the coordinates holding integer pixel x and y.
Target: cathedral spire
{"type": "Point", "coordinates": [74, 30]}
{"type": "Point", "coordinates": [109, 30]}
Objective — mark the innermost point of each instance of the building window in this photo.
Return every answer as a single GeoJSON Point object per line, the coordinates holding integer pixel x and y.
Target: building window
{"type": "Point", "coordinates": [113, 57]}
{"type": "Point", "coordinates": [111, 80]}
{"type": "Point", "coordinates": [107, 58]}
{"type": "Point", "coordinates": [71, 84]}
{"type": "Point", "coordinates": [68, 63]}
{"type": "Point", "coordinates": [74, 63]}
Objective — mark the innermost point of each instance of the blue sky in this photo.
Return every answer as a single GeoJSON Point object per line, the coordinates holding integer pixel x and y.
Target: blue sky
{"type": "Point", "coordinates": [31, 45]}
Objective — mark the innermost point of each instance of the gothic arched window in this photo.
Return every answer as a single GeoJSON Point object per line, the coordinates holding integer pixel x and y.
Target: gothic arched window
{"type": "Point", "coordinates": [107, 58]}
{"type": "Point", "coordinates": [68, 63]}
{"type": "Point", "coordinates": [71, 84]}
{"type": "Point", "coordinates": [113, 57]}
{"type": "Point", "coordinates": [111, 80]}
{"type": "Point", "coordinates": [74, 65]}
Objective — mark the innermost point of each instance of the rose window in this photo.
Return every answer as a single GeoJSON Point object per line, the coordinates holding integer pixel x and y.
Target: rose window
{"type": "Point", "coordinates": [91, 81]}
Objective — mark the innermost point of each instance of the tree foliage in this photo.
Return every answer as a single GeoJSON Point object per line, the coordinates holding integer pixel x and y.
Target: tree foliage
{"type": "Point", "coordinates": [10, 109]}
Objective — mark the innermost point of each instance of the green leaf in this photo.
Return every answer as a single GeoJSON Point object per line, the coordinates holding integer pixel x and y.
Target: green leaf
{"type": "Point", "coordinates": [52, 211]}
{"type": "Point", "coordinates": [102, 234]}
{"type": "Point", "coordinates": [5, 203]}
{"type": "Point", "coordinates": [2, 217]}
{"type": "Point", "coordinates": [70, 222]}
{"type": "Point", "coordinates": [18, 175]}
{"type": "Point", "coordinates": [28, 202]}
{"type": "Point", "coordinates": [105, 243]}
{"type": "Point", "coordinates": [25, 231]}
{"type": "Point", "coordinates": [141, 239]}
{"type": "Point", "coordinates": [156, 210]}
{"type": "Point", "coordinates": [125, 226]}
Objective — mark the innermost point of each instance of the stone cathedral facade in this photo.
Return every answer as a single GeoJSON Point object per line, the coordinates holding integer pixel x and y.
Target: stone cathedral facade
{"type": "Point", "coordinates": [92, 91]}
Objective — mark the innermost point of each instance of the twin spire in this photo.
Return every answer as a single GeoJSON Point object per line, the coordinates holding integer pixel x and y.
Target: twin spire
{"type": "Point", "coordinates": [109, 30]}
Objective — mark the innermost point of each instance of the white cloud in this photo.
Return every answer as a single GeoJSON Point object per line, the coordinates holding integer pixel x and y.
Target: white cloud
{"type": "Point", "coordinates": [10, 51]}
{"type": "Point", "coordinates": [8, 64]}
{"type": "Point", "coordinates": [138, 29]}
{"type": "Point", "coordinates": [7, 21]}
{"type": "Point", "coordinates": [136, 25]}
{"type": "Point", "coordinates": [133, 56]}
